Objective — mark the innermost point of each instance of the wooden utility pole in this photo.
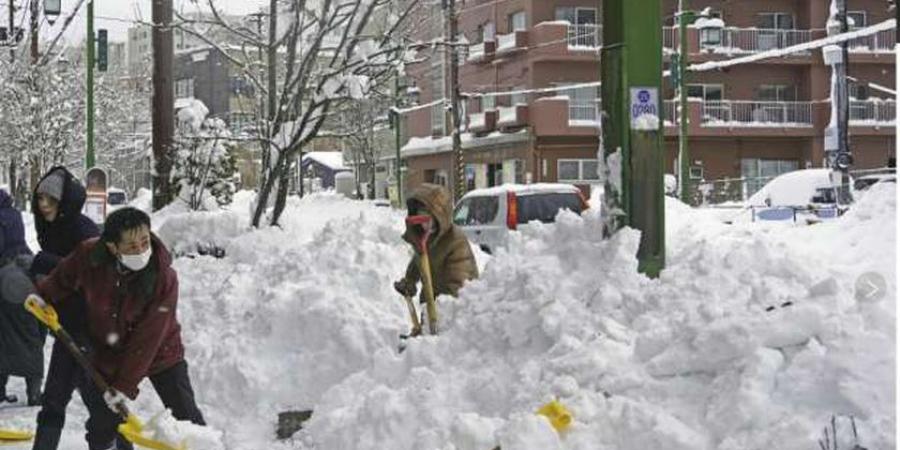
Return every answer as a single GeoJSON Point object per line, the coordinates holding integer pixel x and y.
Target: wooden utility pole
{"type": "Point", "coordinates": [163, 101]}
{"type": "Point", "coordinates": [11, 34]}
{"type": "Point", "coordinates": [35, 25]}
{"type": "Point", "coordinates": [455, 104]}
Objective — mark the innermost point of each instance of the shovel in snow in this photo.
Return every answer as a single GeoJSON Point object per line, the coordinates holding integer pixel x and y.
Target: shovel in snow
{"type": "Point", "coordinates": [132, 429]}
{"type": "Point", "coordinates": [12, 436]}
{"type": "Point", "coordinates": [424, 222]}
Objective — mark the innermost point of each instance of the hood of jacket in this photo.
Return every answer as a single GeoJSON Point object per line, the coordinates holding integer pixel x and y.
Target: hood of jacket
{"type": "Point", "coordinates": [71, 203]}
{"type": "Point", "coordinates": [437, 201]}
{"type": "Point", "coordinates": [6, 200]}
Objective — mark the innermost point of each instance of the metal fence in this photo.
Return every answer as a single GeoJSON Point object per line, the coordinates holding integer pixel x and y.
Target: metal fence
{"type": "Point", "coordinates": [729, 112]}
{"type": "Point", "coordinates": [883, 41]}
{"type": "Point", "coordinates": [585, 35]}
{"type": "Point", "coordinates": [583, 110]}
{"type": "Point", "coordinates": [751, 40]}
{"type": "Point", "coordinates": [873, 112]}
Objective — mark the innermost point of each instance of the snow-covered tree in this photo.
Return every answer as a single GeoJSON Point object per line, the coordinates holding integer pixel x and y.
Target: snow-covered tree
{"type": "Point", "coordinates": [41, 119]}
{"type": "Point", "coordinates": [326, 52]}
{"type": "Point", "coordinates": [204, 166]}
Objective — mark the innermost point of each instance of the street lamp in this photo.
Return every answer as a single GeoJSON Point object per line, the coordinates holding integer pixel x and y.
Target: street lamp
{"type": "Point", "coordinates": [52, 10]}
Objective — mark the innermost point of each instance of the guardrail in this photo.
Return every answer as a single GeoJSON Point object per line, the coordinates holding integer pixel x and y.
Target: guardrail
{"type": "Point", "coordinates": [753, 113]}
{"type": "Point", "coordinates": [585, 36]}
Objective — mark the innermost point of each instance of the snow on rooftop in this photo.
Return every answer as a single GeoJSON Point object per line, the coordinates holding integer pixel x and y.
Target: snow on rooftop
{"type": "Point", "coordinates": [524, 189]}
{"type": "Point", "coordinates": [418, 146]}
{"type": "Point", "coordinates": [332, 160]}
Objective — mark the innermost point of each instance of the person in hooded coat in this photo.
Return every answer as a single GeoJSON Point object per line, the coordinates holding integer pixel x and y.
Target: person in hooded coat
{"type": "Point", "coordinates": [60, 226]}
{"type": "Point", "coordinates": [21, 337]}
{"type": "Point", "coordinates": [451, 258]}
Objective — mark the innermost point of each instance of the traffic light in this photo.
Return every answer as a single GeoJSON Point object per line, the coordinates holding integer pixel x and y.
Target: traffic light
{"type": "Point", "coordinates": [102, 50]}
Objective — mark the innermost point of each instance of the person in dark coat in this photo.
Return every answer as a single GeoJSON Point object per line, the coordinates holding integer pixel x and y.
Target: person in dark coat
{"type": "Point", "coordinates": [60, 226]}
{"type": "Point", "coordinates": [21, 337]}
{"type": "Point", "coordinates": [131, 296]}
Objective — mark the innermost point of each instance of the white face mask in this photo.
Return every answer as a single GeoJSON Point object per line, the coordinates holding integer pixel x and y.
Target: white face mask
{"type": "Point", "coordinates": [136, 262]}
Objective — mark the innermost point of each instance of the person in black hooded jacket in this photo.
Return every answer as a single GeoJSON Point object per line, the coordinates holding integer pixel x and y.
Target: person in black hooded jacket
{"type": "Point", "coordinates": [60, 225]}
{"type": "Point", "coordinates": [21, 337]}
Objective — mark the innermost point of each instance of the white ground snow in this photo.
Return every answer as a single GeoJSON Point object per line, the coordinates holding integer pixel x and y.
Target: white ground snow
{"type": "Point", "coordinates": [304, 317]}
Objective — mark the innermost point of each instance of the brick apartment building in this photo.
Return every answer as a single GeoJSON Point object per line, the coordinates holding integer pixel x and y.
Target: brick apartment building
{"type": "Point", "coordinates": [754, 121]}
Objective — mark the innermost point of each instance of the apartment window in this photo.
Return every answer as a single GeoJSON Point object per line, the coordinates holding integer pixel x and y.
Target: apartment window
{"type": "Point", "coordinates": [577, 170]}
{"type": "Point", "coordinates": [517, 21]}
{"type": "Point", "coordinates": [583, 103]}
{"type": "Point", "coordinates": [438, 114]}
{"type": "Point", "coordinates": [583, 31]}
{"type": "Point", "coordinates": [707, 92]}
{"type": "Point", "coordinates": [577, 16]}
{"type": "Point", "coordinates": [776, 93]}
{"type": "Point", "coordinates": [488, 32]}
{"type": "Point", "coordinates": [488, 103]}
{"type": "Point", "coordinates": [776, 21]}
{"type": "Point", "coordinates": [772, 33]}
{"type": "Point", "coordinates": [857, 19]}
{"type": "Point", "coordinates": [518, 99]}
{"type": "Point", "coordinates": [184, 88]}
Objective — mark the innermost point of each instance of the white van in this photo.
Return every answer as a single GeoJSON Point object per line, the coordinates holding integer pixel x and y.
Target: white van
{"type": "Point", "coordinates": [487, 216]}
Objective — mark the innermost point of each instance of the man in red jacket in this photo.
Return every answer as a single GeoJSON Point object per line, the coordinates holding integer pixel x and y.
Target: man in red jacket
{"type": "Point", "coordinates": [131, 293]}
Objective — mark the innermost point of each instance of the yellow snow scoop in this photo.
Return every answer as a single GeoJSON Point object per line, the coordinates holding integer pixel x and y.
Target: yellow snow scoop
{"type": "Point", "coordinates": [132, 429]}
{"type": "Point", "coordinates": [558, 414]}
{"type": "Point", "coordinates": [424, 222]}
{"type": "Point", "coordinates": [9, 436]}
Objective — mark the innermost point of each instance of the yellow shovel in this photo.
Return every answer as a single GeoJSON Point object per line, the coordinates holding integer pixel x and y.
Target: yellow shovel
{"type": "Point", "coordinates": [10, 436]}
{"type": "Point", "coordinates": [132, 429]}
{"type": "Point", "coordinates": [424, 222]}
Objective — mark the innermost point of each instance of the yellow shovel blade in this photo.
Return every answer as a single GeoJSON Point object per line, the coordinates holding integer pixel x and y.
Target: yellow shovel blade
{"type": "Point", "coordinates": [558, 414]}
{"type": "Point", "coordinates": [134, 432]}
{"type": "Point", "coordinates": [14, 435]}
{"type": "Point", "coordinates": [46, 315]}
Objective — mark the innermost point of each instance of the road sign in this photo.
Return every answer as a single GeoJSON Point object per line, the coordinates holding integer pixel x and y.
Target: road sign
{"type": "Point", "coordinates": [644, 108]}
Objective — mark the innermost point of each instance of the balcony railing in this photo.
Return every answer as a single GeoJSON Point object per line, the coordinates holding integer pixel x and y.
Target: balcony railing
{"type": "Point", "coordinates": [583, 112]}
{"type": "Point", "coordinates": [477, 121]}
{"type": "Point", "coordinates": [507, 114]}
{"type": "Point", "coordinates": [476, 52]}
{"type": "Point", "coordinates": [739, 40]}
{"type": "Point", "coordinates": [873, 112]}
{"type": "Point", "coordinates": [751, 40]}
{"type": "Point", "coordinates": [506, 42]}
{"type": "Point", "coordinates": [585, 36]}
{"type": "Point", "coordinates": [752, 113]}
{"type": "Point", "coordinates": [880, 42]}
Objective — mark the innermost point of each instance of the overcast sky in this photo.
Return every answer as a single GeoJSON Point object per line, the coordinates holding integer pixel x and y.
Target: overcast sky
{"type": "Point", "coordinates": [116, 15]}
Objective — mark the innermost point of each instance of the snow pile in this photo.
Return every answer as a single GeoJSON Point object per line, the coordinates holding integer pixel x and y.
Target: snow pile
{"type": "Point", "coordinates": [744, 342]}
{"type": "Point", "coordinates": [288, 312]}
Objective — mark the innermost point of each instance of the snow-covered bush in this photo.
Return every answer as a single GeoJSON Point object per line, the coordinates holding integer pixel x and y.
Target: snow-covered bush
{"type": "Point", "coordinates": [204, 164]}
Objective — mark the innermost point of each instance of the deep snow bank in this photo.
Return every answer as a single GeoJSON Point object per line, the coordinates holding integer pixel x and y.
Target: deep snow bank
{"type": "Point", "coordinates": [694, 360]}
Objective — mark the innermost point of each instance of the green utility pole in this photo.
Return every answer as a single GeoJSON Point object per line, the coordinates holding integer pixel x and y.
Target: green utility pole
{"type": "Point", "coordinates": [397, 138]}
{"type": "Point", "coordinates": [632, 129]}
{"type": "Point", "coordinates": [89, 157]}
{"type": "Point", "coordinates": [684, 157]}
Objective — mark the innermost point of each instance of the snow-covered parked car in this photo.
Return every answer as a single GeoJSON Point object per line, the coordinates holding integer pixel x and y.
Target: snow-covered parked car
{"type": "Point", "coordinates": [115, 198]}
{"type": "Point", "coordinates": [807, 194]}
{"type": "Point", "coordinates": [866, 181]}
{"type": "Point", "coordinates": [487, 216]}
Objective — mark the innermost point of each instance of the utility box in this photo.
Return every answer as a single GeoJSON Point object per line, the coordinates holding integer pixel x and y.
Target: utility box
{"type": "Point", "coordinates": [344, 183]}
